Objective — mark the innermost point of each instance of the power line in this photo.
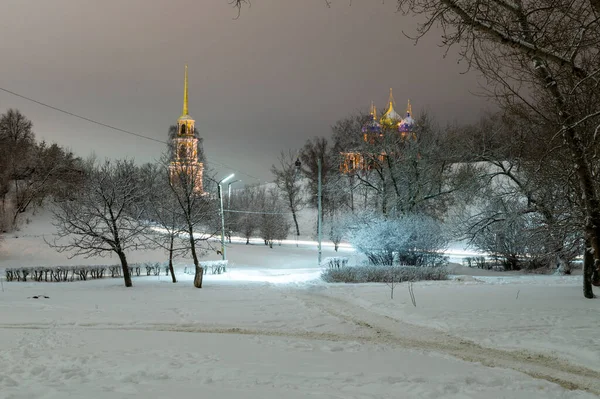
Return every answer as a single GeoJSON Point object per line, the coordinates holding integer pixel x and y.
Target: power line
{"type": "Point", "coordinates": [82, 117]}
{"type": "Point", "coordinates": [113, 127]}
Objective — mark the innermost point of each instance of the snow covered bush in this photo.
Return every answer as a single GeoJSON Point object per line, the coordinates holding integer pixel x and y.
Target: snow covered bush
{"type": "Point", "coordinates": [215, 266]}
{"type": "Point", "coordinates": [413, 240]}
{"type": "Point", "coordinates": [383, 274]}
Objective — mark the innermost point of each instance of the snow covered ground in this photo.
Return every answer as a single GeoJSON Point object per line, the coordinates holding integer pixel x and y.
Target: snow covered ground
{"type": "Point", "coordinates": [269, 329]}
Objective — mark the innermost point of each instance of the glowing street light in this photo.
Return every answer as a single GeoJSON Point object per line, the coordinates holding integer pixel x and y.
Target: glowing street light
{"type": "Point", "coordinates": [222, 214]}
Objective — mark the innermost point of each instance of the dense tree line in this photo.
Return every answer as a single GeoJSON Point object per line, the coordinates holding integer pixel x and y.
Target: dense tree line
{"type": "Point", "coordinates": [30, 171]}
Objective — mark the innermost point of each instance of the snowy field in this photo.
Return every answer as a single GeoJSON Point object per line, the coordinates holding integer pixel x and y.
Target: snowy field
{"type": "Point", "coordinates": [269, 329]}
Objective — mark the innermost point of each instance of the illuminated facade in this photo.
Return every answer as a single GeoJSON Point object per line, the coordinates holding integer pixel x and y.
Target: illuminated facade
{"type": "Point", "coordinates": [185, 165]}
{"type": "Point", "coordinates": [374, 132]}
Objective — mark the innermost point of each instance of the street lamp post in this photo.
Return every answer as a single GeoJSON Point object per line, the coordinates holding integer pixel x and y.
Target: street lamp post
{"type": "Point", "coordinates": [223, 254]}
{"type": "Point", "coordinates": [319, 209]}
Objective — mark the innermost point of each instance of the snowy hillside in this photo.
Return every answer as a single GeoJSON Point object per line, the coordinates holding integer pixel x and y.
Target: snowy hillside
{"type": "Point", "coordinates": [269, 328]}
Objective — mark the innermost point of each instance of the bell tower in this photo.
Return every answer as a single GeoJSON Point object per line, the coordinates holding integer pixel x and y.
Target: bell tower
{"type": "Point", "coordinates": [185, 146]}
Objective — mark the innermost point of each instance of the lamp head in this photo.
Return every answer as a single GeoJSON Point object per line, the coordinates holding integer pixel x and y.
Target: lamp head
{"type": "Point", "coordinates": [227, 178]}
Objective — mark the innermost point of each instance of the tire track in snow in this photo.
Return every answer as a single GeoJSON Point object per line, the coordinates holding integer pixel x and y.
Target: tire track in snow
{"type": "Point", "coordinates": [394, 332]}
{"type": "Point", "coordinates": [191, 328]}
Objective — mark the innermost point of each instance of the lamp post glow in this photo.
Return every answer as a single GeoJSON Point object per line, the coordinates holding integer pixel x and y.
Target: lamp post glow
{"type": "Point", "coordinates": [223, 255]}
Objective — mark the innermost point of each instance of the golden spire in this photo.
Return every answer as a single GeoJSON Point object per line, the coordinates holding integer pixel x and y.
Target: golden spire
{"type": "Point", "coordinates": [409, 109]}
{"type": "Point", "coordinates": [390, 114]}
{"type": "Point", "coordinates": [185, 93]}
{"type": "Point", "coordinates": [374, 112]}
{"type": "Point", "coordinates": [391, 100]}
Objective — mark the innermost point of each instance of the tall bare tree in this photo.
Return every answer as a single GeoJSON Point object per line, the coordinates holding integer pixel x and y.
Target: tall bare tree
{"type": "Point", "coordinates": [104, 215]}
{"type": "Point", "coordinates": [247, 211]}
{"type": "Point", "coordinates": [272, 223]}
{"type": "Point", "coordinates": [197, 211]}
{"type": "Point", "coordinates": [165, 227]}
{"type": "Point", "coordinates": [30, 171]}
{"type": "Point", "coordinates": [288, 180]}
{"type": "Point", "coordinates": [314, 150]}
{"type": "Point", "coordinates": [17, 143]}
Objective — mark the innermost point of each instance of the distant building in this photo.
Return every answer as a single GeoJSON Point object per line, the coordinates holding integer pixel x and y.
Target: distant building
{"type": "Point", "coordinates": [184, 157]}
{"type": "Point", "coordinates": [374, 131]}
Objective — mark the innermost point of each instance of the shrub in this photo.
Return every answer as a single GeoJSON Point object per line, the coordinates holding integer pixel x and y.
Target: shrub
{"type": "Point", "coordinates": [82, 273]}
{"type": "Point", "coordinates": [383, 274]}
{"type": "Point", "coordinates": [335, 261]}
{"type": "Point", "coordinates": [413, 240]}
{"type": "Point", "coordinates": [215, 266]}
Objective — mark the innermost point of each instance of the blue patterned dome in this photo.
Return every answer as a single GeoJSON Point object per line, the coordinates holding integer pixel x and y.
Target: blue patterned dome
{"type": "Point", "coordinates": [407, 124]}
{"type": "Point", "coordinates": [371, 126]}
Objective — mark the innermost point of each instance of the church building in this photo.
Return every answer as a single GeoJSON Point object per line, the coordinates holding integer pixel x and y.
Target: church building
{"type": "Point", "coordinates": [184, 157]}
{"type": "Point", "coordinates": [374, 131]}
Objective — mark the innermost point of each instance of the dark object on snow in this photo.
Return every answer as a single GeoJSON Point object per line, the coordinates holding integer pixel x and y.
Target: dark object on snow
{"type": "Point", "coordinates": [38, 297]}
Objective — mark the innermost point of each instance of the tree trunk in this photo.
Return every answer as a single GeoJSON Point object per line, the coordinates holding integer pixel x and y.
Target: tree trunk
{"type": "Point", "coordinates": [199, 270]}
{"type": "Point", "coordinates": [588, 268]}
{"type": "Point", "coordinates": [352, 192]}
{"type": "Point", "coordinates": [384, 197]}
{"type": "Point", "coordinates": [125, 267]}
{"type": "Point", "coordinates": [295, 222]}
{"type": "Point", "coordinates": [198, 276]}
{"type": "Point", "coordinates": [171, 260]}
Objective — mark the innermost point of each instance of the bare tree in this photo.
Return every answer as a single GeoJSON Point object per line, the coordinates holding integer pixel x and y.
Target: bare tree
{"type": "Point", "coordinates": [104, 215]}
{"type": "Point", "coordinates": [247, 211]}
{"type": "Point", "coordinates": [51, 171]}
{"type": "Point", "coordinates": [197, 211]}
{"type": "Point", "coordinates": [314, 150]}
{"type": "Point", "coordinates": [526, 188]}
{"type": "Point", "coordinates": [404, 171]}
{"type": "Point", "coordinates": [287, 178]}
{"type": "Point", "coordinates": [336, 227]}
{"type": "Point", "coordinates": [161, 213]}
{"type": "Point", "coordinates": [30, 171]}
{"type": "Point", "coordinates": [17, 142]}
{"type": "Point", "coordinates": [272, 223]}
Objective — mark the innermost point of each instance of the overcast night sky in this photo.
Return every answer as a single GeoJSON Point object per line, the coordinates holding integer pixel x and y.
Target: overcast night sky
{"type": "Point", "coordinates": [283, 72]}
